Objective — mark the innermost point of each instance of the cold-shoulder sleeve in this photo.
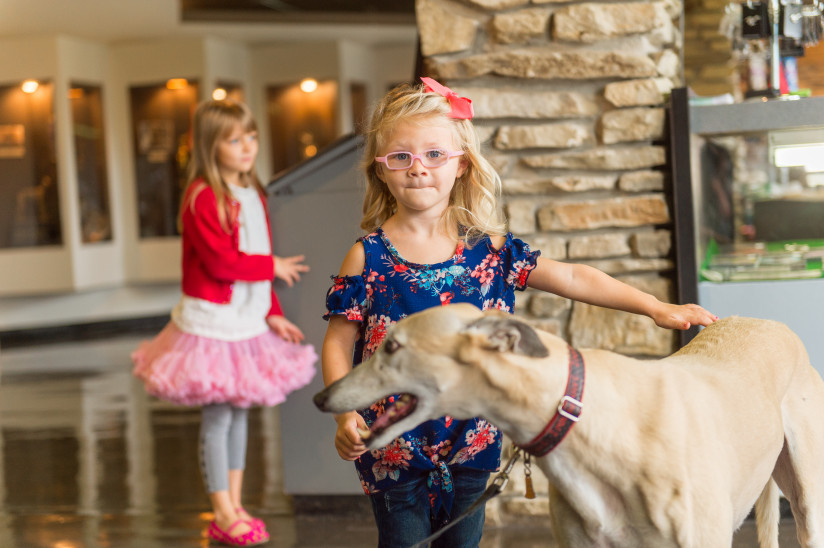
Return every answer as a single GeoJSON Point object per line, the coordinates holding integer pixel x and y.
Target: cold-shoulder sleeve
{"type": "Point", "coordinates": [519, 261]}
{"type": "Point", "coordinates": [346, 297]}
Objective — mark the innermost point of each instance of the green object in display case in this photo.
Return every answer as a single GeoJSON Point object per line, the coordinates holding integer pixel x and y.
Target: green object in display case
{"type": "Point", "coordinates": [784, 260]}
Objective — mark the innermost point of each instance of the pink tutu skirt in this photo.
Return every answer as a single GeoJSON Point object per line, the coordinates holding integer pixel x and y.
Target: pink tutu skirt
{"type": "Point", "coordinates": [192, 370]}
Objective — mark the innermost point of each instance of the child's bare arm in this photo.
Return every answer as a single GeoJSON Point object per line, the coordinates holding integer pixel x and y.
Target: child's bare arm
{"type": "Point", "coordinates": [341, 334]}
{"type": "Point", "coordinates": [590, 285]}
{"type": "Point", "coordinates": [338, 345]}
{"type": "Point", "coordinates": [336, 359]}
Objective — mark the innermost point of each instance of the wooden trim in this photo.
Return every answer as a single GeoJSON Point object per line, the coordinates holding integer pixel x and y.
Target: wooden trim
{"type": "Point", "coordinates": [686, 268]}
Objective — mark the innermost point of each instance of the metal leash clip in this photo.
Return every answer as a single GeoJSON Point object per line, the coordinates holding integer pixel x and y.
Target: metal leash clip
{"type": "Point", "coordinates": [503, 476]}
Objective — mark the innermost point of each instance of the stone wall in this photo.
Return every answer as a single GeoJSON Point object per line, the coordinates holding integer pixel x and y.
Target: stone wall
{"type": "Point", "coordinates": [570, 103]}
{"type": "Point", "coordinates": [710, 66]}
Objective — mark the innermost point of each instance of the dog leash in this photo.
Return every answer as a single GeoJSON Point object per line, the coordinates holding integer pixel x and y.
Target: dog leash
{"type": "Point", "coordinates": [492, 491]}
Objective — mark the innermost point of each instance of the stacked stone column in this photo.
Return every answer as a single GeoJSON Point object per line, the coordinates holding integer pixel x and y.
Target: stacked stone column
{"type": "Point", "coordinates": [710, 65]}
{"type": "Point", "coordinates": [570, 105]}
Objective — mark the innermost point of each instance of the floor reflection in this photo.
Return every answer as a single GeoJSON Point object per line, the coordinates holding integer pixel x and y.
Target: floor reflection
{"type": "Point", "coordinates": [87, 459]}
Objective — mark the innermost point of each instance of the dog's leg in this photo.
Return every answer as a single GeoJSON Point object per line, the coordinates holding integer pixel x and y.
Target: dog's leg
{"type": "Point", "coordinates": [799, 471]}
{"type": "Point", "coordinates": [767, 516]}
{"type": "Point", "coordinates": [568, 528]}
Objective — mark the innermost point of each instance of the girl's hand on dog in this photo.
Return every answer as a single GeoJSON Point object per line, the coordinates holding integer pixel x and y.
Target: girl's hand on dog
{"type": "Point", "coordinates": [347, 440]}
{"type": "Point", "coordinates": [675, 316]}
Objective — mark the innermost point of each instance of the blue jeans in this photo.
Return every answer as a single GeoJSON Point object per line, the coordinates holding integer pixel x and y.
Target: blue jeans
{"type": "Point", "coordinates": [403, 517]}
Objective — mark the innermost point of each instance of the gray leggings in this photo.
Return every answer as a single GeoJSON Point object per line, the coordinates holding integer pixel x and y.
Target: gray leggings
{"type": "Point", "coordinates": [222, 444]}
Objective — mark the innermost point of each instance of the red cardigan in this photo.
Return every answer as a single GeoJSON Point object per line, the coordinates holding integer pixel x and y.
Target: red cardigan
{"type": "Point", "coordinates": [212, 260]}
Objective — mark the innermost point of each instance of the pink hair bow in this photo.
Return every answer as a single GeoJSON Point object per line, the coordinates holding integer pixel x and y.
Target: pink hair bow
{"type": "Point", "coordinates": [461, 106]}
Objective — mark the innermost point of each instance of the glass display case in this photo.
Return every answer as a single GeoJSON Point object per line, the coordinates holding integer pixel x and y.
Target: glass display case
{"type": "Point", "coordinates": [29, 200]}
{"type": "Point", "coordinates": [86, 103]}
{"type": "Point", "coordinates": [302, 120]}
{"type": "Point", "coordinates": [748, 197]}
{"type": "Point", "coordinates": [161, 118]}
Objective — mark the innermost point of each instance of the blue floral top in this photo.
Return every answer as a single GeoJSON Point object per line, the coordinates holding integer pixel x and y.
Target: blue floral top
{"type": "Point", "coordinates": [392, 288]}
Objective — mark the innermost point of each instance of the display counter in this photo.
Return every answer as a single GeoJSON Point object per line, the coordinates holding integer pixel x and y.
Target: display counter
{"type": "Point", "coordinates": [748, 201]}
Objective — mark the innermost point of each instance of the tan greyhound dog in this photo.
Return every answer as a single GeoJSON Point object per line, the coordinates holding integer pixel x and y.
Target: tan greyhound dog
{"type": "Point", "coordinates": [671, 452]}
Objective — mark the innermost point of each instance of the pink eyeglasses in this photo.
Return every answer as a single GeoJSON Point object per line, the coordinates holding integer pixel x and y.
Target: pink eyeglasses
{"type": "Point", "coordinates": [429, 158]}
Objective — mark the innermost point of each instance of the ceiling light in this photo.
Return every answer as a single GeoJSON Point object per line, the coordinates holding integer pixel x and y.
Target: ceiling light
{"type": "Point", "coordinates": [30, 86]}
{"type": "Point", "coordinates": [308, 85]}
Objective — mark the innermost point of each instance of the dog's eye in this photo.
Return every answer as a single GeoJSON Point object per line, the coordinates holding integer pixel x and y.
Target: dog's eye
{"type": "Point", "coordinates": [391, 346]}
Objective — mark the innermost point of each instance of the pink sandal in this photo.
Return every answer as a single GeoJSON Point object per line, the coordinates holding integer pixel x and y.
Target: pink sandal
{"type": "Point", "coordinates": [251, 538]}
{"type": "Point", "coordinates": [255, 523]}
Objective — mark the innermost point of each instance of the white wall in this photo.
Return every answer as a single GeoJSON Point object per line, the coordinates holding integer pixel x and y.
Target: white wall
{"type": "Point", "coordinates": [129, 276]}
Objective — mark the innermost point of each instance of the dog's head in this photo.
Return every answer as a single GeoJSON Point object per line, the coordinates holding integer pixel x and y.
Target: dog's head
{"type": "Point", "coordinates": [430, 358]}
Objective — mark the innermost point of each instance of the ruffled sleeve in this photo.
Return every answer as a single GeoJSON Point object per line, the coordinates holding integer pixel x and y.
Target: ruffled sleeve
{"type": "Point", "coordinates": [518, 261]}
{"type": "Point", "coordinates": [346, 297]}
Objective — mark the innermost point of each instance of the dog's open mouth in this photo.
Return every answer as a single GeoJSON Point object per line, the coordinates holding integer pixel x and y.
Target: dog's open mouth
{"type": "Point", "coordinates": [403, 406]}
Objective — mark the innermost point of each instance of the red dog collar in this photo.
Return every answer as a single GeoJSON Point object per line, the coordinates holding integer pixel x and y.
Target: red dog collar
{"type": "Point", "coordinates": [568, 413]}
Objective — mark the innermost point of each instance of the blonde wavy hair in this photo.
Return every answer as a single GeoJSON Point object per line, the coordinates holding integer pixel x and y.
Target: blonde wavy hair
{"type": "Point", "coordinates": [212, 122]}
{"type": "Point", "coordinates": [473, 204]}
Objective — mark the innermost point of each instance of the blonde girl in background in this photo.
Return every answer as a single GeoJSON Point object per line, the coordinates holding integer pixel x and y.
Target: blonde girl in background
{"type": "Point", "coordinates": [228, 345]}
{"type": "Point", "coordinates": [435, 235]}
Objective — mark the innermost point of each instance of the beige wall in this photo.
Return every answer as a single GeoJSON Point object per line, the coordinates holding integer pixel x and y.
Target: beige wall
{"type": "Point", "coordinates": [129, 276]}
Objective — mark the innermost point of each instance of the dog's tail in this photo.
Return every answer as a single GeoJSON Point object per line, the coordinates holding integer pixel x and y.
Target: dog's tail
{"type": "Point", "coordinates": [767, 515]}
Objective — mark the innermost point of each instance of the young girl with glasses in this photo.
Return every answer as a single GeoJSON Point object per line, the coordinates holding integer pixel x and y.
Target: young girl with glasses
{"type": "Point", "coordinates": [436, 236]}
{"type": "Point", "coordinates": [228, 345]}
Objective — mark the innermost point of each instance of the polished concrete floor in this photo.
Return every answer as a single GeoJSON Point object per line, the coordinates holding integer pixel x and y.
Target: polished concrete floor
{"type": "Point", "coordinates": [87, 460]}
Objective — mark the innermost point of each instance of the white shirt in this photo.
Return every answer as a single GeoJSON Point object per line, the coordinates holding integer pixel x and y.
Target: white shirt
{"type": "Point", "coordinates": [244, 317]}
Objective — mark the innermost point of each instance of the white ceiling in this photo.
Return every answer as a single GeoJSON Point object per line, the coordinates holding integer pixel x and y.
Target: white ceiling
{"type": "Point", "coordinates": [125, 20]}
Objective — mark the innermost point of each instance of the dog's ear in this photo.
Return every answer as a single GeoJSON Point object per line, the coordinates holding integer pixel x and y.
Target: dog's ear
{"type": "Point", "coordinates": [503, 333]}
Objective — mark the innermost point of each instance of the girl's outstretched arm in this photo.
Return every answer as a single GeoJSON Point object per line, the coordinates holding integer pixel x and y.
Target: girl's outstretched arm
{"type": "Point", "coordinates": [589, 285]}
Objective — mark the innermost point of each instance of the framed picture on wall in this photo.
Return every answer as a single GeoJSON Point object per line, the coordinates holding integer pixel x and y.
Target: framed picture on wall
{"type": "Point", "coordinates": [12, 140]}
